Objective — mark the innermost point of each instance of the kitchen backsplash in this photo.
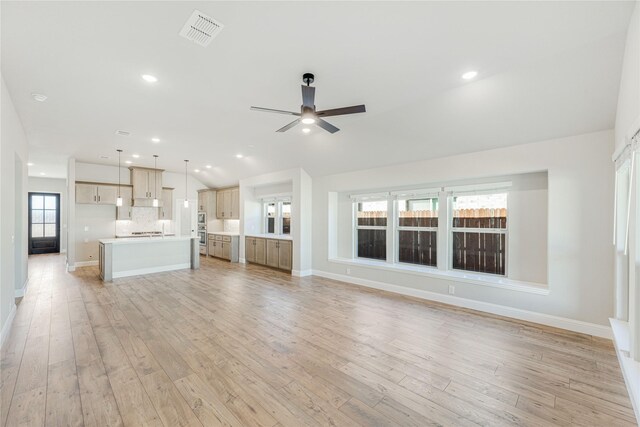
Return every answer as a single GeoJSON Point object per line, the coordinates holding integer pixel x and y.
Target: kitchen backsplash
{"type": "Point", "coordinates": [143, 219]}
{"type": "Point", "coordinates": [232, 225]}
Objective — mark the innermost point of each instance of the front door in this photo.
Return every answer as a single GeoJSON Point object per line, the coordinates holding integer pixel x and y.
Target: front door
{"type": "Point", "coordinates": [44, 223]}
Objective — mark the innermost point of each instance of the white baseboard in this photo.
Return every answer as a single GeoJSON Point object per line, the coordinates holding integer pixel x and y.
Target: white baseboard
{"type": "Point", "coordinates": [151, 270]}
{"type": "Point", "coordinates": [630, 368]}
{"type": "Point", "coordinates": [301, 273]}
{"type": "Point", "coordinates": [19, 293]}
{"type": "Point", "coordinates": [63, 251]}
{"type": "Point", "coordinates": [85, 264]}
{"type": "Point", "coordinates": [7, 325]}
{"type": "Point", "coordinates": [71, 268]}
{"type": "Point", "coordinates": [501, 310]}
{"type": "Point", "coordinates": [242, 260]}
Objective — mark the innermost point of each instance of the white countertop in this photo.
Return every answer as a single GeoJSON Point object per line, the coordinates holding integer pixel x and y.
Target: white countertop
{"type": "Point", "coordinates": [127, 236]}
{"type": "Point", "coordinates": [131, 240]}
{"type": "Point", "coordinates": [224, 233]}
{"type": "Point", "coordinates": [272, 236]}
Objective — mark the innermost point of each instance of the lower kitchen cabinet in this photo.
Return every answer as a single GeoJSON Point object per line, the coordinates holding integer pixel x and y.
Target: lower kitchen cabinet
{"type": "Point", "coordinates": [274, 253]}
{"type": "Point", "coordinates": [225, 247]}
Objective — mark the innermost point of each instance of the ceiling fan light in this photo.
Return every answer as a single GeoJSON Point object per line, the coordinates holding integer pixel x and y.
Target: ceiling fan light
{"type": "Point", "coordinates": [308, 120]}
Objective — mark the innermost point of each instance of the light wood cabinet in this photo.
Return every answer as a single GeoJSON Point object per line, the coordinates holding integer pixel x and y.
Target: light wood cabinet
{"type": "Point", "coordinates": [271, 252]}
{"type": "Point", "coordinates": [207, 203]}
{"type": "Point", "coordinates": [96, 194]}
{"type": "Point", "coordinates": [285, 254]}
{"type": "Point", "coordinates": [124, 212]}
{"type": "Point", "coordinates": [225, 247]}
{"type": "Point", "coordinates": [228, 203]}
{"type": "Point", "coordinates": [166, 210]}
{"type": "Point", "coordinates": [147, 183]}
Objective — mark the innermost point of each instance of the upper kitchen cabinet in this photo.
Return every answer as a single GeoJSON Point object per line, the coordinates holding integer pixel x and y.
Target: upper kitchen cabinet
{"type": "Point", "coordinates": [207, 203]}
{"type": "Point", "coordinates": [147, 184]}
{"type": "Point", "coordinates": [96, 194]}
{"type": "Point", "coordinates": [228, 203]}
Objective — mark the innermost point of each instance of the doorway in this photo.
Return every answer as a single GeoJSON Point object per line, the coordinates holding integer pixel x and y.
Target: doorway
{"type": "Point", "coordinates": [44, 223]}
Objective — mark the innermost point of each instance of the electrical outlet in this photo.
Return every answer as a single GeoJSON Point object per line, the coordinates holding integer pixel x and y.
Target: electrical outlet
{"type": "Point", "coordinates": [452, 289]}
{"type": "Point", "coordinates": [348, 271]}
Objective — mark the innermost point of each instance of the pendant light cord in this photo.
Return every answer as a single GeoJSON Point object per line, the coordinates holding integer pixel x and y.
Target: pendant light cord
{"type": "Point", "coordinates": [119, 151]}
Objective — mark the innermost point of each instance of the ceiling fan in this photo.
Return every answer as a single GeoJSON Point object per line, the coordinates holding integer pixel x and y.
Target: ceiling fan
{"type": "Point", "coordinates": [308, 114]}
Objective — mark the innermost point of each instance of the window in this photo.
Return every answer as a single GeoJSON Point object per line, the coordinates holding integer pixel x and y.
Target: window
{"type": "Point", "coordinates": [43, 215]}
{"type": "Point", "coordinates": [371, 229]}
{"type": "Point", "coordinates": [479, 233]}
{"type": "Point", "coordinates": [418, 231]}
{"type": "Point", "coordinates": [277, 216]}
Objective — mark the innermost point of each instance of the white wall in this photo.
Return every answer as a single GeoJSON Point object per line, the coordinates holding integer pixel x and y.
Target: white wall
{"type": "Point", "coordinates": [301, 212]}
{"type": "Point", "coordinates": [54, 185]}
{"type": "Point", "coordinates": [580, 196]}
{"type": "Point", "coordinates": [628, 111]}
{"type": "Point", "coordinates": [13, 234]}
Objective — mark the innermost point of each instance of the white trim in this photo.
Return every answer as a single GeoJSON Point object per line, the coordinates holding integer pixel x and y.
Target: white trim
{"type": "Point", "coordinates": [242, 260]}
{"type": "Point", "coordinates": [501, 310]}
{"type": "Point", "coordinates": [491, 280]}
{"type": "Point", "coordinates": [19, 293]}
{"type": "Point", "coordinates": [630, 368]}
{"type": "Point", "coordinates": [85, 264]}
{"type": "Point", "coordinates": [150, 270]}
{"type": "Point", "coordinates": [63, 251]}
{"type": "Point", "coordinates": [493, 186]}
{"type": "Point", "coordinates": [71, 268]}
{"type": "Point", "coordinates": [7, 325]}
{"type": "Point", "coordinates": [369, 196]}
{"type": "Point", "coordinates": [426, 192]}
{"type": "Point", "coordinates": [301, 273]}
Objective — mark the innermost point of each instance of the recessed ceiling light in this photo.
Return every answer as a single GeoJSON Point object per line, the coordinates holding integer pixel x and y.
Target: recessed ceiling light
{"type": "Point", "coordinates": [469, 75]}
{"type": "Point", "coordinates": [39, 97]}
{"type": "Point", "coordinates": [251, 146]}
{"type": "Point", "coordinates": [239, 156]}
{"type": "Point", "coordinates": [104, 157]}
{"type": "Point", "coordinates": [208, 166]}
{"type": "Point", "coordinates": [42, 173]}
{"type": "Point", "coordinates": [29, 164]}
{"type": "Point", "coordinates": [306, 130]}
{"type": "Point", "coordinates": [155, 139]}
{"type": "Point", "coordinates": [196, 170]}
{"type": "Point", "coordinates": [128, 162]}
{"type": "Point", "coordinates": [135, 156]}
{"type": "Point", "coordinates": [149, 78]}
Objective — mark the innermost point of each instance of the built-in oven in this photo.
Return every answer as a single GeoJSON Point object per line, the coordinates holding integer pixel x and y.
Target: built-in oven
{"type": "Point", "coordinates": [202, 218]}
{"type": "Point", "coordinates": [203, 237]}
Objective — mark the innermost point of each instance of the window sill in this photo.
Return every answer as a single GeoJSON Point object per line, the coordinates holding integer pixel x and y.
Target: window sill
{"type": "Point", "coordinates": [456, 276]}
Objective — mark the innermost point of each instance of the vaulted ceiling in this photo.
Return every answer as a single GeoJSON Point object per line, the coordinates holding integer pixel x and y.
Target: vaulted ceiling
{"type": "Point", "coordinates": [545, 70]}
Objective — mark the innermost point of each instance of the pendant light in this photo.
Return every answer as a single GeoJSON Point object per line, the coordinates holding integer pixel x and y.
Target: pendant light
{"type": "Point", "coordinates": [186, 201]}
{"type": "Point", "coordinates": [119, 199]}
{"type": "Point", "coordinates": [155, 181]}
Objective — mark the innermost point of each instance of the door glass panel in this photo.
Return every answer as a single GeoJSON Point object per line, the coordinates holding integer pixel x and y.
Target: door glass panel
{"type": "Point", "coordinates": [36, 230]}
{"type": "Point", "coordinates": [37, 217]}
{"type": "Point", "coordinates": [271, 218]}
{"type": "Point", "coordinates": [49, 217]}
{"type": "Point", "coordinates": [49, 202]}
{"type": "Point", "coordinates": [49, 230]}
{"type": "Point", "coordinates": [37, 202]}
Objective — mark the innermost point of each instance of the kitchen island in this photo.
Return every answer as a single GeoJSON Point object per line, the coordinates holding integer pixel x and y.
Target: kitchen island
{"type": "Point", "coordinates": [124, 257]}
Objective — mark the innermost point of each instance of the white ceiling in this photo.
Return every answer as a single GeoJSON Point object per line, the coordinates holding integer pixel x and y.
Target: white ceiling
{"type": "Point", "coordinates": [546, 69]}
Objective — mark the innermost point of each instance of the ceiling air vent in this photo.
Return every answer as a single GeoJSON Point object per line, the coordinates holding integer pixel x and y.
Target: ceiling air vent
{"type": "Point", "coordinates": [200, 28]}
{"type": "Point", "coordinates": [123, 133]}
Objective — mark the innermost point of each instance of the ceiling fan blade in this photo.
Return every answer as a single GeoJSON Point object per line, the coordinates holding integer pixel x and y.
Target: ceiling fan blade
{"type": "Point", "coordinates": [341, 111]}
{"type": "Point", "coordinates": [271, 110]}
{"type": "Point", "coordinates": [327, 126]}
{"type": "Point", "coordinates": [289, 126]}
{"type": "Point", "coordinates": [308, 96]}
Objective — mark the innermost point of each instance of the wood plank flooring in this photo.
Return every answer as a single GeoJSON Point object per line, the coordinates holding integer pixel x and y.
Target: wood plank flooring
{"type": "Point", "coordinates": [239, 345]}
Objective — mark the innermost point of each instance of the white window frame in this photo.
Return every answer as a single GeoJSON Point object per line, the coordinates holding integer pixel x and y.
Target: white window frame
{"type": "Point", "coordinates": [444, 231]}
{"type": "Point", "coordinates": [451, 229]}
{"type": "Point", "coordinates": [397, 228]}
{"type": "Point", "coordinates": [279, 200]}
{"type": "Point", "coordinates": [378, 197]}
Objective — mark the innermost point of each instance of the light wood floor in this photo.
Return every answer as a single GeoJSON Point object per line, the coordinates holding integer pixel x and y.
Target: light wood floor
{"type": "Point", "coordinates": [244, 345]}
